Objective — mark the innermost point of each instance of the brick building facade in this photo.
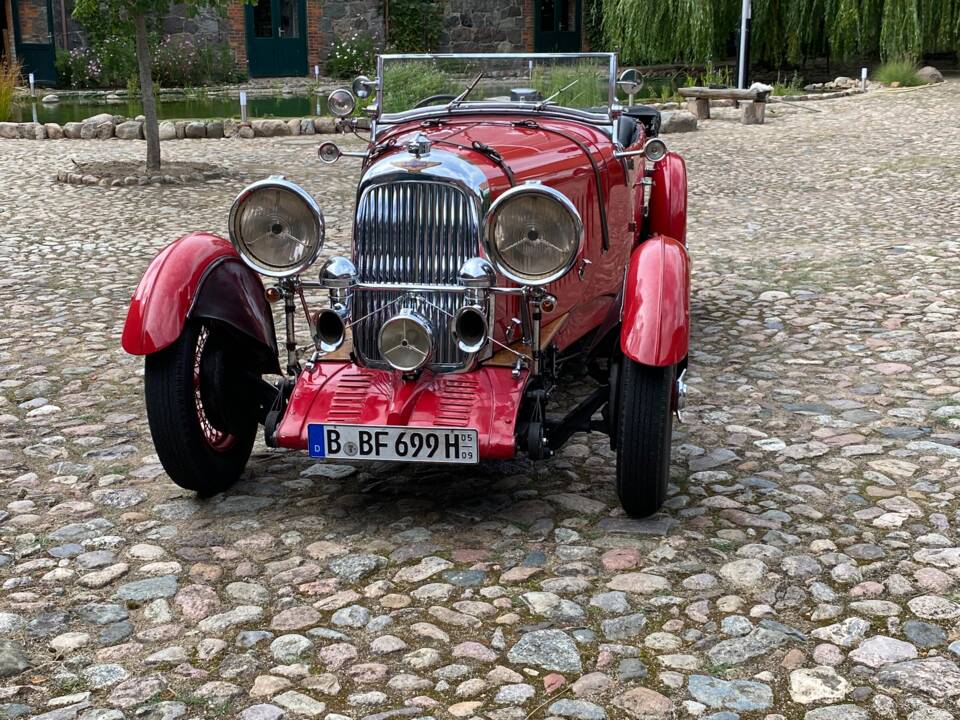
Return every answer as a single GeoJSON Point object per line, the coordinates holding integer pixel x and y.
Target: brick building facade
{"type": "Point", "coordinates": [290, 37]}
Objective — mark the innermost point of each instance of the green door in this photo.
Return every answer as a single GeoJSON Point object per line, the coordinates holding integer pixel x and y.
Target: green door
{"type": "Point", "coordinates": [557, 26]}
{"type": "Point", "coordinates": [277, 38]}
{"type": "Point", "coordinates": [33, 36]}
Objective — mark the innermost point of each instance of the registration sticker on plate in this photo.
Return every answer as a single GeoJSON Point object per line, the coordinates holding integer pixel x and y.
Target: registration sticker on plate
{"type": "Point", "coordinates": [398, 443]}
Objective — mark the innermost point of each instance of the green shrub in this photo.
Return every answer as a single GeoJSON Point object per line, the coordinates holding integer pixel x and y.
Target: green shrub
{"type": "Point", "coordinates": [351, 56]}
{"type": "Point", "coordinates": [716, 76]}
{"type": "Point", "coordinates": [117, 56]}
{"type": "Point", "coordinates": [64, 68]}
{"type": "Point", "coordinates": [407, 83]}
{"type": "Point", "coordinates": [901, 71]}
{"type": "Point", "coordinates": [793, 86]}
{"type": "Point", "coordinates": [415, 25]}
{"type": "Point", "coordinates": [9, 77]}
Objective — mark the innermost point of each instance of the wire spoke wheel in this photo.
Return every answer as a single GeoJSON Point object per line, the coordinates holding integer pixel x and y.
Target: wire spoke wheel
{"type": "Point", "coordinates": [216, 438]}
{"type": "Point", "coordinates": [202, 417]}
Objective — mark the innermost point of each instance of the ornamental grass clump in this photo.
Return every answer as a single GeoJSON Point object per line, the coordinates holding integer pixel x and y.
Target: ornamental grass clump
{"type": "Point", "coordinates": [581, 85]}
{"type": "Point", "coordinates": [9, 77]}
{"type": "Point", "coordinates": [791, 86]}
{"type": "Point", "coordinates": [903, 72]}
{"type": "Point", "coordinates": [405, 83]}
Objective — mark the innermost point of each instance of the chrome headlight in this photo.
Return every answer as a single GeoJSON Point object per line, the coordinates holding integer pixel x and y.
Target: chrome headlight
{"type": "Point", "coordinates": [406, 341]}
{"type": "Point", "coordinates": [533, 234]}
{"type": "Point", "coordinates": [276, 227]}
{"type": "Point", "coordinates": [341, 102]}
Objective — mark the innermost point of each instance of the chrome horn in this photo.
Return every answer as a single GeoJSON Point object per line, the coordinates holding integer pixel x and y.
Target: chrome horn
{"type": "Point", "coordinates": [330, 330]}
{"type": "Point", "coordinates": [469, 328]}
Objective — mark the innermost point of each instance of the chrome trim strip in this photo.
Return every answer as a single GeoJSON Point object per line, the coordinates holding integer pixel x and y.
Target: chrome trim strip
{"type": "Point", "coordinates": [416, 288]}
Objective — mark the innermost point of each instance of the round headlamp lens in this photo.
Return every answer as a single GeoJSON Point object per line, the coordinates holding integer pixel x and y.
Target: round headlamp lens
{"type": "Point", "coordinates": [655, 149]}
{"type": "Point", "coordinates": [341, 102]}
{"type": "Point", "coordinates": [276, 228]}
{"type": "Point", "coordinates": [535, 236]}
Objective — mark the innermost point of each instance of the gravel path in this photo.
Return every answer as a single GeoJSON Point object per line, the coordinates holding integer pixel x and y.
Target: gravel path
{"type": "Point", "coordinates": [806, 565]}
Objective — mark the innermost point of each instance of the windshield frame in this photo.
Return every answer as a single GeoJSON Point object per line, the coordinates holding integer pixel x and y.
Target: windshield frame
{"type": "Point", "coordinates": [491, 106]}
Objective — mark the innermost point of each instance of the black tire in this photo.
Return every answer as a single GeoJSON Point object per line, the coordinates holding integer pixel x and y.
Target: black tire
{"type": "Point", "coordinates": [644, 431]}
{"type": "Point", "coordinates": [203, 421]}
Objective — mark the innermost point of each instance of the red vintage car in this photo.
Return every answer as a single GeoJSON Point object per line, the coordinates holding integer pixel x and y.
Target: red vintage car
{"type": "Point", "coordinates": [516, 228]}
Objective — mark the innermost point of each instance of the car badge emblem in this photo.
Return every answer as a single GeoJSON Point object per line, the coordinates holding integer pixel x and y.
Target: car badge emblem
{"type": "Point", "coordinates": [415, 165]}
{"type": "Point", "coordinates": [419, 147]}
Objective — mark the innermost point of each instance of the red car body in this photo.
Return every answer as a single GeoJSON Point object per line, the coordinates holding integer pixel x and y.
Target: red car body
{"type": "Point", "coordinates": [630, 281]}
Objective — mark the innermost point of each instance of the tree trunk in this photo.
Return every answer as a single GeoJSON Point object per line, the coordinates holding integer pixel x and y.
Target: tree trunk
{"type": "Point", "coordinates": [151, 128]}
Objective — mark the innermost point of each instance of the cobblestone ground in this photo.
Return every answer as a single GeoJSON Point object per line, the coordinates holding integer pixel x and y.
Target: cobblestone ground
{"type": "Point", "coordinates": [806, 565]}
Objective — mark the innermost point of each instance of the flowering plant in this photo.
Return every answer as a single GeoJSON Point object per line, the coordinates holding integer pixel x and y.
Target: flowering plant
{"type": "Point", "coordinates": [182, 61]}
{"type": "Point", "coordinates": [80, 68]}
{"type": "Point", "coordinates": [178, 61]}
{"type": "Point", "coordinates": [351, 56]}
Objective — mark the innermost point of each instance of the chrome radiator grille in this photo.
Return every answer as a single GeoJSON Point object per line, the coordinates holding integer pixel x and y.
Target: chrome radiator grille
{"type": "Point", "coordinates": [412, 232]}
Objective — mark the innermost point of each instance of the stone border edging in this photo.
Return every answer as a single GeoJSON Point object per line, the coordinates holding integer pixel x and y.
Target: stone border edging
{"type": "Point", "coordinates": [76, 178]}
{"type": "Point", "coordinates": [105, 127]}
{"type": "Point", "coordinates": [816, 96]}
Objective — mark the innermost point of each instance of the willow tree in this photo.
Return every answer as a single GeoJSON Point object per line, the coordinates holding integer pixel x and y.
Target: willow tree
{"type": "Point", "coordinates": [784, 31]}
{"type": "Point", "coordinates": [671, 31]}
{"type": "Point", "coordinates": [128, 18]}
{"type": "Point", "coordinates": [900, 36]}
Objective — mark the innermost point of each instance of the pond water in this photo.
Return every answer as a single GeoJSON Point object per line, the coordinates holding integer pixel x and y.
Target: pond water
{"type": "Point", "coordinates": [204, 108]}
{"type": "Point", "coordinates": [175, 109]}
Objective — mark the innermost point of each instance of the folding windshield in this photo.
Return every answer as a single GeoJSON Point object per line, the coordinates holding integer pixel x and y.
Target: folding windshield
{"type": "Point", "coordinates": [581, 81]}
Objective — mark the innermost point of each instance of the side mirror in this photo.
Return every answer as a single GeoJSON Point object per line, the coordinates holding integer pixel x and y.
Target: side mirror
{"type": "Point", "coordinates": [630, 81]}
{"type": "Point", "coordinates": [363, 86]}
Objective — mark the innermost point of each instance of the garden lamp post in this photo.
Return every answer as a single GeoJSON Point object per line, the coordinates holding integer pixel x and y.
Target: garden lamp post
{"type": "Point", "coordinates": [743, 63]}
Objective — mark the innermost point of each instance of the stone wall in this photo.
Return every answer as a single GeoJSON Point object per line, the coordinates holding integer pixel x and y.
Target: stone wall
{"type": "Point", "coordinates": [207, 25]}
{"type": "Point", "coordinates": [468, 25]}
{"type": "Point", "coordinates": [342, 18]}
{"type": "Point", "coordinates": [483, 26]}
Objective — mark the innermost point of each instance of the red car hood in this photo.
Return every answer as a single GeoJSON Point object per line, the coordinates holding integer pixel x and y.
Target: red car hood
{"type": "Point", "coordinates": [545, 150]}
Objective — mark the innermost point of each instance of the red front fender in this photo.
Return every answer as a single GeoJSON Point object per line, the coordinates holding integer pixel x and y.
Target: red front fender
{"type": "Point", "coordinates": [198, 275]}
{"type": "Point", "coordinates": [656, 303]}
{"type": "Point", "coordinates": [668, 199]}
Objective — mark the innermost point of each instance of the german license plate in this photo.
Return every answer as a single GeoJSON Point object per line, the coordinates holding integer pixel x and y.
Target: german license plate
{"type": "Point", "coordinates": [404, 444]}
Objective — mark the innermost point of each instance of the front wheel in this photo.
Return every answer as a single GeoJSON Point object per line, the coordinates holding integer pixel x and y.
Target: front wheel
{"type": "Point", "coordinates": [202, 418]}
{"type": "Point", "coordinates": [643, 433]}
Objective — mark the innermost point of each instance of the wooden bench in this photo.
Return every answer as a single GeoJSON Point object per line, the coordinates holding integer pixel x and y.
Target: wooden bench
{"type": "Point", "coordinates": [753, 103]}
